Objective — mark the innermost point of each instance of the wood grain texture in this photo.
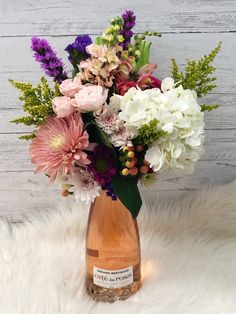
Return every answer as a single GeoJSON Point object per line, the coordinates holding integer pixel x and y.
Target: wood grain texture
{"type": "Point", "coordinates": [51, 17]}
{"type": "Point", "coordinates": [190, 28]}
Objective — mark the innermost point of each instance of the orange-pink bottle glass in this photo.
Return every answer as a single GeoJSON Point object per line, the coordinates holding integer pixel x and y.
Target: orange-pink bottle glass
{"type": "Point", "coordinates": [112, 251]}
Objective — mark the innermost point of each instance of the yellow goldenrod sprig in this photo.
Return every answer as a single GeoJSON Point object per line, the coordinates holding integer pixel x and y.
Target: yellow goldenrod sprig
{"type": "Point", "coordinates": [198, 74]}
{"type": "Point", "coordinates": [37, 102]}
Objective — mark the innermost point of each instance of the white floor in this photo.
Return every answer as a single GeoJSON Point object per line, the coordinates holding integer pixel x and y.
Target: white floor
{"type": "Point", "coordinates": [188, 259]}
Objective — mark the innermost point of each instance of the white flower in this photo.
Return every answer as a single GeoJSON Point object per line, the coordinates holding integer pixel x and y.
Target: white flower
{"type": "Point", "coordinates": [114, 103]}
{"type": "Point", "coordinates": [84, 187]}
{"type": "Point", "coordinates": [167, 84]}
{"type": "Point", "coordinates": [179, 115]}
{"type": "Point", "coordinates": [155, 156]}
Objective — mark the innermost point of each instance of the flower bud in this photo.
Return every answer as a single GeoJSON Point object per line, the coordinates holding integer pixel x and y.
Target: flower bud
{"type": "Point", "coordinates": [130, 154]}
{"type": "Point", "coordinates": [144, 169]}
{"type": "Point", "coordinates": [133, 171]}
{"type": "Point", "coordinates": [125, 172]}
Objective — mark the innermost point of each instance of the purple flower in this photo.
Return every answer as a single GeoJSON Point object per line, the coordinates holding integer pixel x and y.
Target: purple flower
{"type": "Point", "coordinates": [45, 55]}
{"type": "Point", "coordinates": [129, 22]}
{"type": "Point", "coordinates": [102, 165]}
{"type": "Point", "coordinates": [110, 192]}
{"type": "Point", "coordinates": [77, 50]}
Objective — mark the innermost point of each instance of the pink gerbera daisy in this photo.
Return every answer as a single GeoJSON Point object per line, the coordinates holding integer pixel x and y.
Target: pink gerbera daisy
{"type": "Point", "coordinates": [59, 144]}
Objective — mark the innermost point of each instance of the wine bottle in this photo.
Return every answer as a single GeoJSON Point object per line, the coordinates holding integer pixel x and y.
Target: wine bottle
{"type": "Point", "coordinates": [112, 251]}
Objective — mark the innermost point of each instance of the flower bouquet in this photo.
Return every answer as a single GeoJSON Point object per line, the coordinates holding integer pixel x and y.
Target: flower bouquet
{"type": "Point", "coordinates": [111, 123]}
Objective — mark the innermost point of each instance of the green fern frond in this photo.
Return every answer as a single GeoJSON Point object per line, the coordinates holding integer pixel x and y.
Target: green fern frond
{"type": "Point", "coordinates": [198, 74]}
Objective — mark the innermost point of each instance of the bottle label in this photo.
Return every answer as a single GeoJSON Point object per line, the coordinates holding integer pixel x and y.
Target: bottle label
{"type": "Point", "coordinates": [113, 278]}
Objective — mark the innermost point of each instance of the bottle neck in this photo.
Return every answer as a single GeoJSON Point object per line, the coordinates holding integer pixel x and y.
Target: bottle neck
{"type": "Point", "coordinates": [111, 220]}
{"type": "Point", "coordinates": [104, 207]}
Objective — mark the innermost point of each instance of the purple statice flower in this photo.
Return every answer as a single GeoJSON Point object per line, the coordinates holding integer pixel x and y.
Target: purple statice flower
{"type": "Point", "coordinates": [129, 22]}
{"type": "Point", "coordinates": [77, 50]}
{"type": "Point", "coordinates": [110, 192]}
{"type": "Point", "coordinates": [50, 63]}
{"type": "Point", "coordinates": [102, 165]}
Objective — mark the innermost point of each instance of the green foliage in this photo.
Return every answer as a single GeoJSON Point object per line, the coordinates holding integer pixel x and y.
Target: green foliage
{"type": "Point", "coordinates": [149, 133]}
{"type": "Point", "coordinates": [144, 54]}
{"type": "Point", "coordinates": [37, 102]}
{"type": "Point", "coordinates": [142, 36]}
{"type": "Point", "coordinates": [205, 107]}
{"type": "Point", "coordinates": [96, 134]}
{"type": "Point", "coordinates": [27, 137]}
{"type": "Point", "coordinates": [127, 191]}
{"type": "Point", "coordinates": [198, 74]}
{"type": "Point", "coordinates": [112, 36]}
{"type": "Point", "coordinates": [141, 48]}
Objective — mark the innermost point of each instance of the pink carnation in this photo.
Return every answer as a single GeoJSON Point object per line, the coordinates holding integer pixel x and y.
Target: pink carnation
{"type": "Point", "coordinates": [59, 145]}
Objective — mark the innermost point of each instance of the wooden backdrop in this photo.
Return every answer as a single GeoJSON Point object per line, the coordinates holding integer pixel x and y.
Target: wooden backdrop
{"type": "Point", "coordinates": [189, 29]}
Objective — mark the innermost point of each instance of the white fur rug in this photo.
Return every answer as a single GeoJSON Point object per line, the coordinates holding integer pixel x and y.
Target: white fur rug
{"type": "Point", "coordinates": [188, 260]}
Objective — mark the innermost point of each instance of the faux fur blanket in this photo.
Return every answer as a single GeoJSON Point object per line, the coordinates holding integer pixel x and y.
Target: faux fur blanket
{"type": "Point", "coordinates": [188, 259]}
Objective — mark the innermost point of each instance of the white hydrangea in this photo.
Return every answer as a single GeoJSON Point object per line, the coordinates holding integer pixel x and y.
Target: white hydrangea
{"type": "Point", "coordinates": [178, 113]}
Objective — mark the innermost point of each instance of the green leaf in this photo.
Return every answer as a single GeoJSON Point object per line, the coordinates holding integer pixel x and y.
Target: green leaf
{"type": "Point", "coordinates": [144, 48]}
{"type": "Point", "coordinates": [127, 191]}
{"type": "Point", "coordinates": [97, 135]}
{"type": "Point", "coordinates": [75, 71]}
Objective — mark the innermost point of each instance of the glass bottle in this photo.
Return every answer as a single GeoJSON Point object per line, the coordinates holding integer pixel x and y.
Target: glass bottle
{"type": "Point", "coordinates": [112, 251]}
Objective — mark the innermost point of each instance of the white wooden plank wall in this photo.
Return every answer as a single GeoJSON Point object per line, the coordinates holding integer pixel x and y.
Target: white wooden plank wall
{"type": "Point", "coordinates": [190, 28]}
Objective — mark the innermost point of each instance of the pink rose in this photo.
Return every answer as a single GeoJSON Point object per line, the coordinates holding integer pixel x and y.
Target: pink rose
{"type": "Point", "coordinates": [91, 98]}
{"type": "Point", "coordinates": [63, 106]}
{"type": "Point", "coordinates": [97, 51]}
{"type": "Point", "coordinates": [70, 87]}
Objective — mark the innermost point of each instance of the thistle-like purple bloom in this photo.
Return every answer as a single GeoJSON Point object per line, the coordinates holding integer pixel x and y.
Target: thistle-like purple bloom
{"type": "Point", "coordinates": [77, 50]}
{"type": "Point", "coordinates": [129, 22]}
{"type": "Point", "coordinates": [46, 56]}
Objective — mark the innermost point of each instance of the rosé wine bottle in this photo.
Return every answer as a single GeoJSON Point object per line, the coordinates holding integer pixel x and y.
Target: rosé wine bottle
{"type": "Point", "coordinates": [112, 251]}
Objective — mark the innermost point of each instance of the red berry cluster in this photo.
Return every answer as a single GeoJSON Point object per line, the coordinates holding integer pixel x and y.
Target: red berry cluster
{"type": "Point", "coordinates": [132, 160]}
